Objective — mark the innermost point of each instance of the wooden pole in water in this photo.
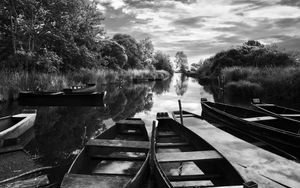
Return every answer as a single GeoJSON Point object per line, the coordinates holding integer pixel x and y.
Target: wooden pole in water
{"type": "Point", "coordinates": [180, 112]}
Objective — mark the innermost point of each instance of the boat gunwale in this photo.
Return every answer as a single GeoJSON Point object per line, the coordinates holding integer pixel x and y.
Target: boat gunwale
{"type": "Point", "coordinates": [25, 116]}
{"type": "Point", "coordinates": [262, 126]}
{"type": "Point", "coordinates": [260, 107]}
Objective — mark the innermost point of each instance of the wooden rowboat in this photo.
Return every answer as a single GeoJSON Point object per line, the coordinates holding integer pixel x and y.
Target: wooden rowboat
{"type": "Point", "coordinates": [89, 88]}
{"type": "Point", "coordinates": [13, 127]}
{"type": "Point", "coordinates": [183, 159]}
{"type": "Point", "coordinates": [282, 133]}
{"type": "Point", "coordinates": [31, 98]}
{"type": "Point", "coordinates": [116, 158]}
{"type": "Point", "coordinates": [277, 111]}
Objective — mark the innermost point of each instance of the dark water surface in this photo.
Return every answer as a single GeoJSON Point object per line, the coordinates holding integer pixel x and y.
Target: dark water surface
{"type": "Point", "coordinates": [60, 132]}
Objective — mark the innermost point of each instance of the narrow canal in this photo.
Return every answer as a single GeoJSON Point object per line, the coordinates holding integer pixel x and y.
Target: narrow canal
{"type": "Point", "coordinates": [60, 132]}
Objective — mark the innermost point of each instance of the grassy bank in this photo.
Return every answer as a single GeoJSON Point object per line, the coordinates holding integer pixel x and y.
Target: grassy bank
{"type": "Point", "coordinates": [273, 84]}
{"type": "Point", "coordinates": [12, 82]}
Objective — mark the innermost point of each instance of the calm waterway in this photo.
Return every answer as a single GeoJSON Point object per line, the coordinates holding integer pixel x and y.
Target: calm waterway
{"type": "Point", "coordinates": [60, 132]}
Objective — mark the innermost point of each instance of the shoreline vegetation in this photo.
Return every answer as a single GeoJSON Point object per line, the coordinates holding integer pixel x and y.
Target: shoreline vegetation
{"type": "Point", "coordinates": [13, 82]}
{"type": "Point", "coordinates": [253, 70]}
{"type": "Point", "coordinates": [54, 45]}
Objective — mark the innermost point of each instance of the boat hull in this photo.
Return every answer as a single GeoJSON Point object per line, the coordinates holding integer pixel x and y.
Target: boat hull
{"type": "Point", "coordinates": [92, 167]}
{"type": "Point", "coordinates": [196, 155]}
{"type": "Point", "coordinates": [284, 140]}
{"type": "Point", "coordinates": [12, 134]}
{"type": "Point", "coordinates": [61, 99]}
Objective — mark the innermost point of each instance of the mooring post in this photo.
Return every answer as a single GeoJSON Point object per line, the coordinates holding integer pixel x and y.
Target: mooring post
{"type": "Point", "coordinates": [180, 112]}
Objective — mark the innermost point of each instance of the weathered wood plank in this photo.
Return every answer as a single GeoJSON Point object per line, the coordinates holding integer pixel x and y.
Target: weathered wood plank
{"type": "Point", "coordinates": [188, 156]}
{"type": "Point", "coordinates": [290, 115]}
{"type": "Point", "coordinates": [252, 162]}
{"type": "Point", "coordinates": [121, 156]}
{"type": "Point", "coordinates": [130, 122]}
{"type": "Point", "coordinates": [32, 182]}
{"type": "Point", "coordinates": [167, 134]}
{"type": "Point", "coordinates": [176, 144]}
{"type": "Point", "coordinates": [230, 186]}
{"type": "Point", "coordinates": [192, 184]}
{"type": "Point", "coordinates": [193, 177]}
{"type": "Point", "coordinates": [261, 118]}
{"type": "Point", "coordinates": [89, 181]}
{"type": "Point", "coordinates": [124, 144]}
{"type": "Point", "coordinates": [130, 132]}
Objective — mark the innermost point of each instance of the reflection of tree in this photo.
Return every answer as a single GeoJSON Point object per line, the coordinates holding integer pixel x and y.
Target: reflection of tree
{"type": "Point", "coordinates": [127, 101]}
{"type": "Point", "coordinates": [162, 86]}
{"type": "Point", "coordinates": [181, 85]}
{"type": "Point", "coordinates": [59, 131]}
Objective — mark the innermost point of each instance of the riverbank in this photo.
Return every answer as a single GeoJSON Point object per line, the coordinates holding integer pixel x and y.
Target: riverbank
{"type": "Point", "coordinates": [272, 84]}
{"type": "Point", "coordinates": [253, 70]}
{"type": "Point", "coordinates": [12, 82]}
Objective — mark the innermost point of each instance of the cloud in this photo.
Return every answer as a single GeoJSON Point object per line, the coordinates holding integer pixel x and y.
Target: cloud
{"type": "Point", "coordinates": [116, 4]}
{"type": "Point", "coordinates": [203, 27]}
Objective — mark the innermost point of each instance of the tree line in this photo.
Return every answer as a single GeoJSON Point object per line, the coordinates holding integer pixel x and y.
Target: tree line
{"type": "Point", "coordinates": [63, 35]}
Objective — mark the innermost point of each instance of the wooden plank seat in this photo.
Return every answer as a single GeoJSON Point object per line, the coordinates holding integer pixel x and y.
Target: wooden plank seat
{"type": "Point", "coordinates": [260, 118]}
{"type": "Point", "coordinates": [193, 177]}
{"type": "Point", "coordinates": [168, 134]}
{"type": "Point", "coordinates": [192, 184]}
{"type": "Point", "coordinates": [130, 122]}
{"type": "Point", "coordinates": [121, 156]}
{"type": "Point", "coordinates": [131, 132]}
{"type": "Point", "coordinates": [204, 183]}
{"type": "Point", "coordinates": [184, 115]}
{"type": "Point", "coordinates": [90, 181]}
{"type": "Point", "coordinates": [176, 144]}
{"type": "Point", "coordinates": [122, 144]}
{"type": "Point", "coordinates": [290, 115]}
{"type": "Point", "coordinates": [188, 156]}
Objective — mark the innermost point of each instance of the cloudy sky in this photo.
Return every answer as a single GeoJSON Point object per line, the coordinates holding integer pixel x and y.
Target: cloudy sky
{"type": "Point", "coordinates": [201, 28]}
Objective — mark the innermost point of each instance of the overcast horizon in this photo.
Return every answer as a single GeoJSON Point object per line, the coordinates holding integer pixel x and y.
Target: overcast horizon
{"type": "Point", "coordinates": [205, 27]}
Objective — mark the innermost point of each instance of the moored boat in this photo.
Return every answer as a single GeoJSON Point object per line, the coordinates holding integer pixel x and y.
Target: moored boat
{"type": "Point", "coordinates": [14, 126]}
{"type": "Point", "coordinates": [279, 132]}
{"type": "Point", "coordinates": [116, 158]}
{"type": "Point", "coordinates": [183, 159]}
{"type": "Point", "coordinates": [88, 88]}
{"type": "Point", "coordinates": [32, 98]}
{"type": "Point", "coordinates": [277, 111]}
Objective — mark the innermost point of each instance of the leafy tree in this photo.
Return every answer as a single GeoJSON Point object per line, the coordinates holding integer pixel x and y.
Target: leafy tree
{"type": "Point", "coordinates": [67, 29]}
{"type": "Point", "coordinates": [181, 61]}
{"type": "Point", "coordinates": [113, 54]}
{"type": "Point", "coordinates": [162, 62]}
{"type": "Point", "coordinates": [132, 50]}
{"type": "Point", "coordinates": [196, 66]}
{"type": "Point", "coordinates": [147, 50]}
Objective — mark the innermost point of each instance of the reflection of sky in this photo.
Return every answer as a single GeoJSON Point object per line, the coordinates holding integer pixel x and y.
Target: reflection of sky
{"type": "Point", "coordinates": [168, 101]}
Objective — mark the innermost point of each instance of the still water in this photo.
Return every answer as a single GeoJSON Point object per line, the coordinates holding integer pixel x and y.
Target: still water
{"type": "Point", "coordinates": [60, 132]}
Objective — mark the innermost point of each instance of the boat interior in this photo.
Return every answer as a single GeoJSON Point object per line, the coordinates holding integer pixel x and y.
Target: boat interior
{"type": "Point", "coordinates": [9, 121]}
{"type": "Point", "coordinates": [189, 161]}
{"type": "Point", "coordinates": [115, 156]}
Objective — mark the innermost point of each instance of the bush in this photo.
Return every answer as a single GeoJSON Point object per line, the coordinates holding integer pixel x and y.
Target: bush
{"type": "Point", "coordinates": [250, 54]}
{"type": "Point", "coordinates": [235, 73]}
{"type": "Point", "coordinates": [243, 91]}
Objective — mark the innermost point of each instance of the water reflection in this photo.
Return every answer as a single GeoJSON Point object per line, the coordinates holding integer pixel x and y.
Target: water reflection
{"type": "Point", "coordinates": [61, 131]}
{"type": "Point", "coordinates": [181, 85]}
